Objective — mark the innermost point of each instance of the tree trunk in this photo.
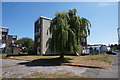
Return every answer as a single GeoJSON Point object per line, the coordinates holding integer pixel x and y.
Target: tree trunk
{"type": "Point", "coordinates": [86, 42]}
{"type": "Point", "coordinates": [61, 55]}
{"type": "Point", "coordinates": [81, 52]}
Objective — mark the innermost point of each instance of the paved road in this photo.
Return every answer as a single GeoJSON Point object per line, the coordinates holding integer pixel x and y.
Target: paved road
{"type": "Point", "coordinates": [19, 69]}
{"type": "Point", "coordinates": [11, 69]}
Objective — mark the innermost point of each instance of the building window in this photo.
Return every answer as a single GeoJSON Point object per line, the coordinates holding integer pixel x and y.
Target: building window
{"type": "Point", "coordinates": [13, 41]}
{"type": "Point", "coordinates": [3, 42]}
{"type": "Point", "coordinates": [4, 37]}
{"type": "Point", "coordinates": [4, 30]}
{"type": "Point", "coordinates": [38, 22]}
{"type": "Point", "coordinates": [39, 26]}
{"type": "Point", "coordinates": [38, 50]}
{"type": "Point", "coordinates": [38, 39]}
{"type": "Point", "coordinates": [14, 36]}
{"type": "Point", "coordinates": [38, 31]}
{"type": "Point", "coordinates": [13, 45]}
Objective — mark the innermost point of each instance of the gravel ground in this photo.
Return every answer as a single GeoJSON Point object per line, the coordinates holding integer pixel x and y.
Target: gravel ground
{"type": "Point", "coordinates": [18, 69]}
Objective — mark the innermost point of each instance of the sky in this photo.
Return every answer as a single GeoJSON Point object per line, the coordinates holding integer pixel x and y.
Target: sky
{"type": "Point", "coordinates": [20, 17]}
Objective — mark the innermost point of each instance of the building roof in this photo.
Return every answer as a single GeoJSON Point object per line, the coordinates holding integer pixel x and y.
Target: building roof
{"type": "Point", "coordinates": [43, 18]}
{"type": "Point", "coordinates": [12, 35]}
{"type": "Point", "coordinates": [4, 27]}
{"type": "Point", "coordinates": [46, 17]}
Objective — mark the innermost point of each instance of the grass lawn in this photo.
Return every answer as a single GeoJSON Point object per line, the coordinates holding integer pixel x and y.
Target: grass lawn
{"type": "Point", "coordinates": [98, 61]}
{"type": "Point", "coordinates": [40, 75]}
{"type": "Point", "coordinates": [93, 61]}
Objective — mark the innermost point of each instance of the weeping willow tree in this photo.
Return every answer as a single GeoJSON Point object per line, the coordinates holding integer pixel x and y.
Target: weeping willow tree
{"type": "Point", "coordinates": [66, 31]}
{"type": "Point", "coordinates": [85, 29]}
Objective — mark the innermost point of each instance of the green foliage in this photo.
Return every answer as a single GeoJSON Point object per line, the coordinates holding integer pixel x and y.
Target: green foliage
{"type": "Point", "coordinates": [27, 43]}
{"type": "Point", "coordinates": [115, 47]}
{"type": "Point", "coordinates": [67, 29]}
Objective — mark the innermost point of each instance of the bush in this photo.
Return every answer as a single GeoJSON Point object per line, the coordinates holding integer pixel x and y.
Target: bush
{"type": "Point", "coordinates": [94, 52]}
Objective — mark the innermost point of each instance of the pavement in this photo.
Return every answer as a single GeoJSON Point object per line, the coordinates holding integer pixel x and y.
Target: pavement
{"type": "Point", "coordinates": [19, 69]}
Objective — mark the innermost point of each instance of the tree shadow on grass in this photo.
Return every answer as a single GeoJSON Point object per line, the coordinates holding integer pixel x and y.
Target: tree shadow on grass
{"type": "Point", "coordinates": [46, 62]}
{"type": "Point", "coordinates": [9, 55]}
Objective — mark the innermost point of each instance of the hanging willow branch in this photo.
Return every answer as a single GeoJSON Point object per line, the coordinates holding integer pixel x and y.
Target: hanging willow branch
{"type": "Point", "coordinates": [67, 29]}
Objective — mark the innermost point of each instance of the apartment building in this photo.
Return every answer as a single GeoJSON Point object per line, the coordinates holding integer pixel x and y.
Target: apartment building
{"type": "Point", "coordinates": [11, 44]}
{"type": "Point", "coordinates": [41, 36]}
{"type": "Point", "coordinates": [7, 42]}
{"type": "Point", "coordinates": [3, 36]}
{"type": "Point", "coordinates": [10, 41]}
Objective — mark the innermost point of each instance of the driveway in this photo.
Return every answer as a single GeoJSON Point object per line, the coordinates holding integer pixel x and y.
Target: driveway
{"type": "Point", "coordinates": [14, 69]}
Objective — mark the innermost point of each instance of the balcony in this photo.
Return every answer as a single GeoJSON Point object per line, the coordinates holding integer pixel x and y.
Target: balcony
{"type": "Point", "coordinates": [14, 36]}
{"type": "Point", "coordinates": [37, 33]}
{"type": "Point", "coordinates": [13, 41]}
{"type": "Point", "coordinates": [13, 45]}
{"type": "Point", "coordinates": [4, 38]}
{"type": "Point", "coordinates": [4, 30]}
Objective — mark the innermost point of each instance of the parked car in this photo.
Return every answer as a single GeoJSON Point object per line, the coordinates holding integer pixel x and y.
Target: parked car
{"type": "Point", "coordinates": [116, 51]}
{"type": "Point", "coordinates": [112, 52]}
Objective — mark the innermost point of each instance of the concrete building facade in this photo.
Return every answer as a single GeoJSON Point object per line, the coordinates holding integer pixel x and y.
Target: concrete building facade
{"type": "Point", "coordinates": [41, 35]}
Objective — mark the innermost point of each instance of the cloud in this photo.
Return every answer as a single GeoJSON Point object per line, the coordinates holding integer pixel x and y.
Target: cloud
{"type": "Point", "coordinates": [105, 4]}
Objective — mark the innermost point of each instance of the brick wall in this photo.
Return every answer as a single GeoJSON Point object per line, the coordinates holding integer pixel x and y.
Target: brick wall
{"type": "Point", "coordinates": [9, 41]}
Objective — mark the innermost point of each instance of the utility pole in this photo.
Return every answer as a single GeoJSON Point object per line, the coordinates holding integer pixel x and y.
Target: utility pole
{"type": "Point", "coordinates": [118, 22]}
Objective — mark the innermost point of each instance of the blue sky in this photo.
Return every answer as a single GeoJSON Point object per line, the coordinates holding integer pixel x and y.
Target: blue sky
{"type": "Point", "coordinates": [20, 17]}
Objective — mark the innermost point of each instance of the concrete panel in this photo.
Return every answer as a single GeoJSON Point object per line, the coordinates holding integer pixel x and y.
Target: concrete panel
{"type": "Point", "coordinates": [46, 35]}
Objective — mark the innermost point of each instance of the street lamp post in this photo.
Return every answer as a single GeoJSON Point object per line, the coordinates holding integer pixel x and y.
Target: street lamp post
{"type": "Point", "coordinates": [118, 35]}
